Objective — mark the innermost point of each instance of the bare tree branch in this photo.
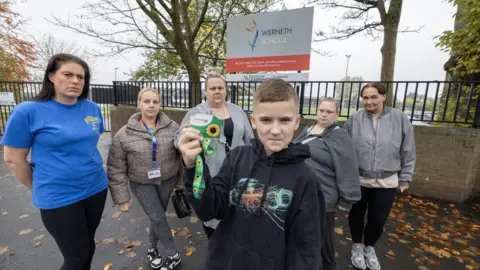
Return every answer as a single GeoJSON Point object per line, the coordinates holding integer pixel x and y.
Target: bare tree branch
{"type": "Point", "coordinates": [201, 19]}
{"type": "Point", "coordinates": [200, 46]}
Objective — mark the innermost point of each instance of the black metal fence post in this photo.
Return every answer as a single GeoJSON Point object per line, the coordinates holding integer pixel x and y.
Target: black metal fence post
{"type": "Point", "coordinates": [115, 89]}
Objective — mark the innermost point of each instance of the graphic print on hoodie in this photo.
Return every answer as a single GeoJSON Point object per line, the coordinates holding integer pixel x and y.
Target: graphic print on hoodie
{"type": "Point", "coordinates": [277, 200]}
{"type": "Point", "coordinates": [271, 208]}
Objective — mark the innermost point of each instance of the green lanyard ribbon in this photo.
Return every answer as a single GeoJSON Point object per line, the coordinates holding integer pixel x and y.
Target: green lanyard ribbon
{"type": "Point", "coordinates": [209, 131]}
{"type": "Point", "coordinates": [199, 181]}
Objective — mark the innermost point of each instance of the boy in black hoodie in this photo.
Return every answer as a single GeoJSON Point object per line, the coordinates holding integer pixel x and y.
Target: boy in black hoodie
{"type": "Point", "coordinates": [270, 204]}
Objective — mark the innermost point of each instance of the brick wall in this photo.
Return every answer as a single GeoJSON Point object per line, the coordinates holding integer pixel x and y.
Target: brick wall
{"type": "Point", "coordinates": [448, 162]}
{"type": "Point", "coordinates": [448, 159]}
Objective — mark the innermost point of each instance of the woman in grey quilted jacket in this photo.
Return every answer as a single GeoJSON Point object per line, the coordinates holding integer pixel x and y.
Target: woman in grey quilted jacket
{"type": "Point", "coordinates": [143, 155]}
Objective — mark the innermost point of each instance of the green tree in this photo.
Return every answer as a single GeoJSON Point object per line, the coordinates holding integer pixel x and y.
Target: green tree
{"type": "Point", "coordinates": [463, 42]}
{"type": "Point", "coordinates": [191, 29]}
{"type": "Point", "coordinates": [388, 13]}
{"type": "Point", "coordinates": [464, 64]}
{"type": "Point", "coordinates": [160, 65]}
{"type": "Point", "coordinates": [17, 55]}
{"type": "Point", "coordinates": [349, 92]}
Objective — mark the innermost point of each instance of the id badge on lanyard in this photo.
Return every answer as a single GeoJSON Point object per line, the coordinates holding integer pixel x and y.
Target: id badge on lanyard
{"type": "Point", "coordinates": [154, 172]}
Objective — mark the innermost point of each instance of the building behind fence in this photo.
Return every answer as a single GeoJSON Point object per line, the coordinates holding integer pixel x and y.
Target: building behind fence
{"type": "Point", "coordinates": [425, 102]}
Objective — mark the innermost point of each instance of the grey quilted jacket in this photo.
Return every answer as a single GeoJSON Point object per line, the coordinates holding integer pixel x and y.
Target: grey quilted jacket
{"type": "Point", "coordinates": [130, 156]}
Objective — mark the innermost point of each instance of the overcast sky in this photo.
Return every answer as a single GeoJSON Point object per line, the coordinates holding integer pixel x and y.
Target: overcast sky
{"type": "Point", "coordinates": [416, 58]}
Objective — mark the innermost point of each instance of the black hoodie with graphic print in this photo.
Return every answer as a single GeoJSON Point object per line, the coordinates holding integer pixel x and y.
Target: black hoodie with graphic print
{"type": "Point", "coordinates": [279, 221]}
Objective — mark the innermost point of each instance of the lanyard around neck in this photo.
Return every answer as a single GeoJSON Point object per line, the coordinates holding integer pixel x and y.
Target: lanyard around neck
{"type": "Point", "coordinates": [154, 139]}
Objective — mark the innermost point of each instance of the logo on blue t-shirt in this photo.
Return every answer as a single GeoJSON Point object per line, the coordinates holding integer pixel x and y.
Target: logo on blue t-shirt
{"type": "Point", "coordinates": [92, 120]}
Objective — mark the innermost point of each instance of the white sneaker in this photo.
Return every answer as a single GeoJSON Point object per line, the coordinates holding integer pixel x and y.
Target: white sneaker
{"type": "Point", "coordinates": [371, 258]}
{"type": "Point", "coordinates": [154, 258]}
{"type": "Point", "coordinates": [358, 259]}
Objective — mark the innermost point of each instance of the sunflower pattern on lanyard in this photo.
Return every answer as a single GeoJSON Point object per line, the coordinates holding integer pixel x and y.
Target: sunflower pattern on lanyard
{"type": "Point", "coordinates": [210, 127]}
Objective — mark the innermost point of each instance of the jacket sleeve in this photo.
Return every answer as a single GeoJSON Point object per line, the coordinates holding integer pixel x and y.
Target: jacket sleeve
{"type": "Point", "coordinates": [307, 230]}
{"type": "Point", "coordinates": [117, 171]}
{"type": "Point", "coordinates": [345, 162]}
{"type": "Point", "coordinates": [407, 153]}
{"type": "Point", "coordinates": [179, 180]}
{"type": "Point", "coordinates": [347, 125]}
{"type": "Point", "coordinates": [214, 201]}
{"type": "Point", "coordinates": [248, 135]}
{"type": "Point", "coordinates": [186, 118]}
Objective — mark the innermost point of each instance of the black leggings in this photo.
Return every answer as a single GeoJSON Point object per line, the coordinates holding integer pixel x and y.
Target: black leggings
{"type": "Point", "coordinates": [377, 203]}
{"type": "Point", "coordinates": [73, 228]}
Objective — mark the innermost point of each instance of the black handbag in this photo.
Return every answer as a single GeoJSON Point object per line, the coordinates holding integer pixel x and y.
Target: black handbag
{"type": "Point", "coordinates": [181, 204]}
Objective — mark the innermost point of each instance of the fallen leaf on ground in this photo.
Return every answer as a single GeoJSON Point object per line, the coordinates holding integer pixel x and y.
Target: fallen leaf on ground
{"type": "Point", "coordinates": [422, 268]}
{"type": "Point", "coordinates": [131, 254]}
{"type": "Point", "coordinates": [122, 240]}
{"type": "Point", "coordinates": [37, 244]}
{"type": "Point", "coordinates": [469, 267]}
{"type": "Point", "coordinates": [190, 251]}
{"type": "Point", "coordinates": [3, 249]}
{"type": "Point", "coordinates": [23, 216]}
{"type": "Point", "coordinates": [338, 231]}
{"type": "Point", "coordinates": [174, 232]}
{"type": "Point", "coordinates": [121, 252]}
{"type": "Point", "coordinates": [108, 241]}
{"type": "Point", "coordinates": [140, 268]}
{"type": "Point", "coordinates": [193, 220]}
{"type": "Point", "coordinates": [108, 266]}
{"type": "Point", "coordinates": [171, 215]}
{"type": "Point", "coordinates": [188, 236]}
{"type": "Point", "coordinates": [26, 231]}
{"type": "Point", "coordinates": [184, 232]}
{"type": "Point", "coordinates": [136, 243]}
{"type": "Point", "coordinates": [117, 214]}
{"type": "Point", "coordinates": [123, 229]}
{"type": "Point", "coordinates": [39, 237]}
{"type": "Point", "coordinates": [128, 247]}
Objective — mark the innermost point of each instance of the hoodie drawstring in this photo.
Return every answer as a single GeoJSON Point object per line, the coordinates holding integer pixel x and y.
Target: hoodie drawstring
{"type": "Point", "coordinates": [266, 187]}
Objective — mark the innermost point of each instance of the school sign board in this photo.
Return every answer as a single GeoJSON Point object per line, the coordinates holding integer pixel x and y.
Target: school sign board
{"type": "Point", "coordinates": [272, 41]}
{"type": "Point", "coordinates": [289, 77]}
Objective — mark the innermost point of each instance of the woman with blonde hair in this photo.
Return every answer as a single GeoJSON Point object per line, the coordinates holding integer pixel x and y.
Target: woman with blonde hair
{"type": "Point", "coordinates": [236, 128]}
{"type": "Point", "coordinates": [143, 154]}
{"type": "Point", "coordinates": [334, 160]}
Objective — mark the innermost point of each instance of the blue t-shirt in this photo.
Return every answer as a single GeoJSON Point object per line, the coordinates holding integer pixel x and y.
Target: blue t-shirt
{"type": "Point", "coordinates": [67, 166]}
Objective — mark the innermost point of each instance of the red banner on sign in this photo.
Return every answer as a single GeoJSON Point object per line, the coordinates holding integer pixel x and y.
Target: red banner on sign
{"type": "Point", "coordinates": [269, 63]}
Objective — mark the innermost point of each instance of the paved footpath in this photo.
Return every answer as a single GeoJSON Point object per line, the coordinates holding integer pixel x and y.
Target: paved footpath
{"type": "Point", "coordinates": [421, 234]}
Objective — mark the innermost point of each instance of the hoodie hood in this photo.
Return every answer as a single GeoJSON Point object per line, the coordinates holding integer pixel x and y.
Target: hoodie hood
{"type": "Point", "coordinates": [294, 153]}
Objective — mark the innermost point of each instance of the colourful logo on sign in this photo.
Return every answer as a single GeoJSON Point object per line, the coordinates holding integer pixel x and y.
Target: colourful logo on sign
{"type": "Point", "coordinates": [254, 30]}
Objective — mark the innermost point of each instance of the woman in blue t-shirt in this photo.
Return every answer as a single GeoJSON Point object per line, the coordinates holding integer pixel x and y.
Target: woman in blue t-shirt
{"type": "Point", "coordinates": [61, 128]}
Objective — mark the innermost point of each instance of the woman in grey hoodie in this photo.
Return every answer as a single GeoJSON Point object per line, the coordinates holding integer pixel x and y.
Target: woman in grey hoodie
{"type": "Point", "coordinates": [334, 161]}
{"type": "Point", "coordinates": [236, 128]}
{"type": "Point", "coordinates": [385, 145]}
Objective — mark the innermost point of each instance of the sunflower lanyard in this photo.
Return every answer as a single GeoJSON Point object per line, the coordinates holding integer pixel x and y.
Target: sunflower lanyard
{"type": "Point", "coordinates": [210, 127]}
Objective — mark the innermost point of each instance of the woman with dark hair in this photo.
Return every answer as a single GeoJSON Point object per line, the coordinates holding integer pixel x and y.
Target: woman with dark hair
{"type": "Point", "coordinates": [385, 145]}
{"type": "Point", "coordinates": [66, 175]}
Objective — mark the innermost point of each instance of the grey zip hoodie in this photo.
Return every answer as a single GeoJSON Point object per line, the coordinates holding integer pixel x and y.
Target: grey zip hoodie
{"type": "Point", "coordinates": [242, 134]}
{"type": "Point", "coordinates": [334, 161]}
{"type": "Point", "coordinates": [391, 148]}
